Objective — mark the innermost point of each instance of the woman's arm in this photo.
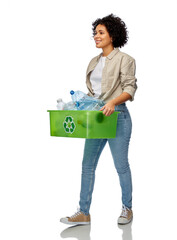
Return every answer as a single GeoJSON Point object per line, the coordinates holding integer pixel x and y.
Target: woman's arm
{"type": "Point", "coordinates": [109, 107]}
{"type": "Point", "coordinates": [128, 83]}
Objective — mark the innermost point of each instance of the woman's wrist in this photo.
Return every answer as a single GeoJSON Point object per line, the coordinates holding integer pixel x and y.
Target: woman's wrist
{"type": "Point", "coordinates": [114, 102]}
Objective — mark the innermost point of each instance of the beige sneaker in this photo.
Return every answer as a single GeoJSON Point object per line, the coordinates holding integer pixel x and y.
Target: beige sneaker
{"type": "Point", "coordinates": [78, 218]}
{"type": "Point", "coordinates": [126, 215]}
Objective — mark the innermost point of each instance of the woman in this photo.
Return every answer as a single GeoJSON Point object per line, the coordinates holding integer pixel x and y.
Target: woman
{"type": "Point", "coordinates": [110, 77]}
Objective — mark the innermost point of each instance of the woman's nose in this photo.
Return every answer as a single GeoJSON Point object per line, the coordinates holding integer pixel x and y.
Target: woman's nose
{"type": "Point", "coordinates": [96, 35]}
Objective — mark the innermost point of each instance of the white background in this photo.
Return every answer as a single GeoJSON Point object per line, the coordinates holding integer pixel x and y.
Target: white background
{"type": "Point", "coordinates": [45, 47]}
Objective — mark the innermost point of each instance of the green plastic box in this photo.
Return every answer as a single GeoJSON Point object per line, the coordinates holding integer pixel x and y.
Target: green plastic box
{"type": "Point", "coordinates": [82, 124]}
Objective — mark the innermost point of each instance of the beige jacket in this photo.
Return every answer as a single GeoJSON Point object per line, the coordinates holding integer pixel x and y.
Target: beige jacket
{"type": "Point", "coordinates": [118, 75]}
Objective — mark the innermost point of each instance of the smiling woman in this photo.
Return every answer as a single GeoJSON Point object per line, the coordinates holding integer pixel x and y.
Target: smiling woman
{"type": "Point", "coordinates": [103, 39]}
{"type": "Point", "coordinates": [111, 77]}
{"type": "Point", "coordinates": [115, 27]}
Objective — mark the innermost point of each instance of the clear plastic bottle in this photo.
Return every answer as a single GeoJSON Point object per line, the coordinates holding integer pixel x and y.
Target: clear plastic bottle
{"type": "Point", "coordinates": [85, 102]}
{"type": "Point", "coordinates": [60, 104]}
{"type": "Point", "coordinates": [95, 106]}
{"type": "Point", "coordinates": [70, 106]}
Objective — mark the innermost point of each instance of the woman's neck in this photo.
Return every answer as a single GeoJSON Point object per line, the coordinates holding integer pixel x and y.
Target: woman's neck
{"type": "Point", "coordinates": [107, 50]}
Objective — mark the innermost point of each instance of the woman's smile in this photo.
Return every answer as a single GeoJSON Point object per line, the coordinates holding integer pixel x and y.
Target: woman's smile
{"type": "Point", "coordinates": [103, 39]}
{"type": "Point", "coordinates": [97, 41]}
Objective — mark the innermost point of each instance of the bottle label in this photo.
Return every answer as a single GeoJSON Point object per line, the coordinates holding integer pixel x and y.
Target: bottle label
{"type": "Point", "coordinates": [69, 125]}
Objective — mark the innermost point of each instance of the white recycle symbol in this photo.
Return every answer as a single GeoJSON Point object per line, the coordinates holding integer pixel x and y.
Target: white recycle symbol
{"type": "Point", "coordinates": [69, 125]}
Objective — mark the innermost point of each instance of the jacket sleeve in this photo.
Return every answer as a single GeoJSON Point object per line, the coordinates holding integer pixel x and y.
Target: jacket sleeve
{"type": "Point", "coordinates": [128, 79]}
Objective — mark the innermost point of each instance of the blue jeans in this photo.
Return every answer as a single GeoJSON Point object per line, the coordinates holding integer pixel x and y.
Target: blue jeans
{"type": "Point", "coordinates": [119, 149]}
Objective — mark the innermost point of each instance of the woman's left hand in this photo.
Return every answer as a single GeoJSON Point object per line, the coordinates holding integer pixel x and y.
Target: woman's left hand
{"type": "Point", "coordinates": [108, 108]}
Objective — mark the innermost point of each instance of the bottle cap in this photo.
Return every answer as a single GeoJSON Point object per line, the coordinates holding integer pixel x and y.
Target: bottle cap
{"type": "Point", "coordinates": [71, 92]}
{"type": "Point", "coordinates": [59, 100]}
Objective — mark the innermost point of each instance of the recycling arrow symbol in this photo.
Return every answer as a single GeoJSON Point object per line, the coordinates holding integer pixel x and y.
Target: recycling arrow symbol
{"type": "Point", "coordinates": [69, 125]}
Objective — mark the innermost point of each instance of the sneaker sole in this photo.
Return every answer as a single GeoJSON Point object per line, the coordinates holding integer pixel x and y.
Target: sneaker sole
{"type": "Point", "coordinates": [124, 223]}
{"type": "Point", "coordinates": [73, 223]}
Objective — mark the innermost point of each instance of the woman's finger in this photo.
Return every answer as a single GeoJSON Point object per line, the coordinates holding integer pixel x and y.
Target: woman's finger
{"type": "Point", "coordinates": [102, 108]}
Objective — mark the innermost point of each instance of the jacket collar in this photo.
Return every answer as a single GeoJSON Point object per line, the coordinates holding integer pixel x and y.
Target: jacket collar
{"type": "Point", "coordinates": [114, 52]}
{"type": "Point", "coordinates": [111, 55]}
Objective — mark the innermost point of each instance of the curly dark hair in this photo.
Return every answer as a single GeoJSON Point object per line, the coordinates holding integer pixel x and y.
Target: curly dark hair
{"type": "Point", "coordinates": [115, 27]}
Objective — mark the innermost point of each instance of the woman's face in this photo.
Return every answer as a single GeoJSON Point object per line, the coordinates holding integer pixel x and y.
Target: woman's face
{"type": "Point", "coordinates": [101, 37]}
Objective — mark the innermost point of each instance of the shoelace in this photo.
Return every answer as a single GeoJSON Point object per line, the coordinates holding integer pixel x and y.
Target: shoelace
{"type": "Point", "coordinates": [76, 214]}
{"type": "Point", "coordinates": [124, 211]}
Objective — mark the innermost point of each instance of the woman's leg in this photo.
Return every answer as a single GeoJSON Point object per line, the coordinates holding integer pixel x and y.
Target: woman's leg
{"type": "Point", "coordinates": [92, 151]}
{"type": "Point", "coordinates": [119, 149]}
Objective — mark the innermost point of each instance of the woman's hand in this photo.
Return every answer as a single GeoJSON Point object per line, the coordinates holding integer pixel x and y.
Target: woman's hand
{"type": "Point", "coordinates": [108, 108]}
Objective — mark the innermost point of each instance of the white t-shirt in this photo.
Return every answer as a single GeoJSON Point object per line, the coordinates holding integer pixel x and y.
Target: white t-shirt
{"type": "Point", "coordinates": [96, 76]}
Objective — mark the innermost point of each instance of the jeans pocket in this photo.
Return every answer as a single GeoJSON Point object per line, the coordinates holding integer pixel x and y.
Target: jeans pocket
{"type": "Point", "coordinates": [121, 115]}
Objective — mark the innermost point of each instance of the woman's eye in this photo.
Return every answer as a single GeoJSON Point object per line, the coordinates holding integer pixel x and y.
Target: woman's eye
{"type": "Point", "coordinates": [95, 33]}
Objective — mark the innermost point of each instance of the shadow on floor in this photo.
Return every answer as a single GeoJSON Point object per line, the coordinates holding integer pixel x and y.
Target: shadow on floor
{"type": "Point", "coordinates": [80, 232]}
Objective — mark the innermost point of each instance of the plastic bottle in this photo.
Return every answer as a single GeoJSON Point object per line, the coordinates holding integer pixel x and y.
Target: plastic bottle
{"type": "Point", "coordinates": [85, 102]}
{"type": "Point", "coordinates": [70, 106]}
{"type": "Point", "coordinates": [94, 107]}
{"type": "Point", "coordinates": [83, 105]}
{"type": "Point", "coordinates": [60, 104]}
{"type": "Point", "coordinates": [78, 96]}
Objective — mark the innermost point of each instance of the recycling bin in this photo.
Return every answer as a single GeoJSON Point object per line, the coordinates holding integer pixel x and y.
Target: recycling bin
{"type": "Point", "coordinates": [82, 124]}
